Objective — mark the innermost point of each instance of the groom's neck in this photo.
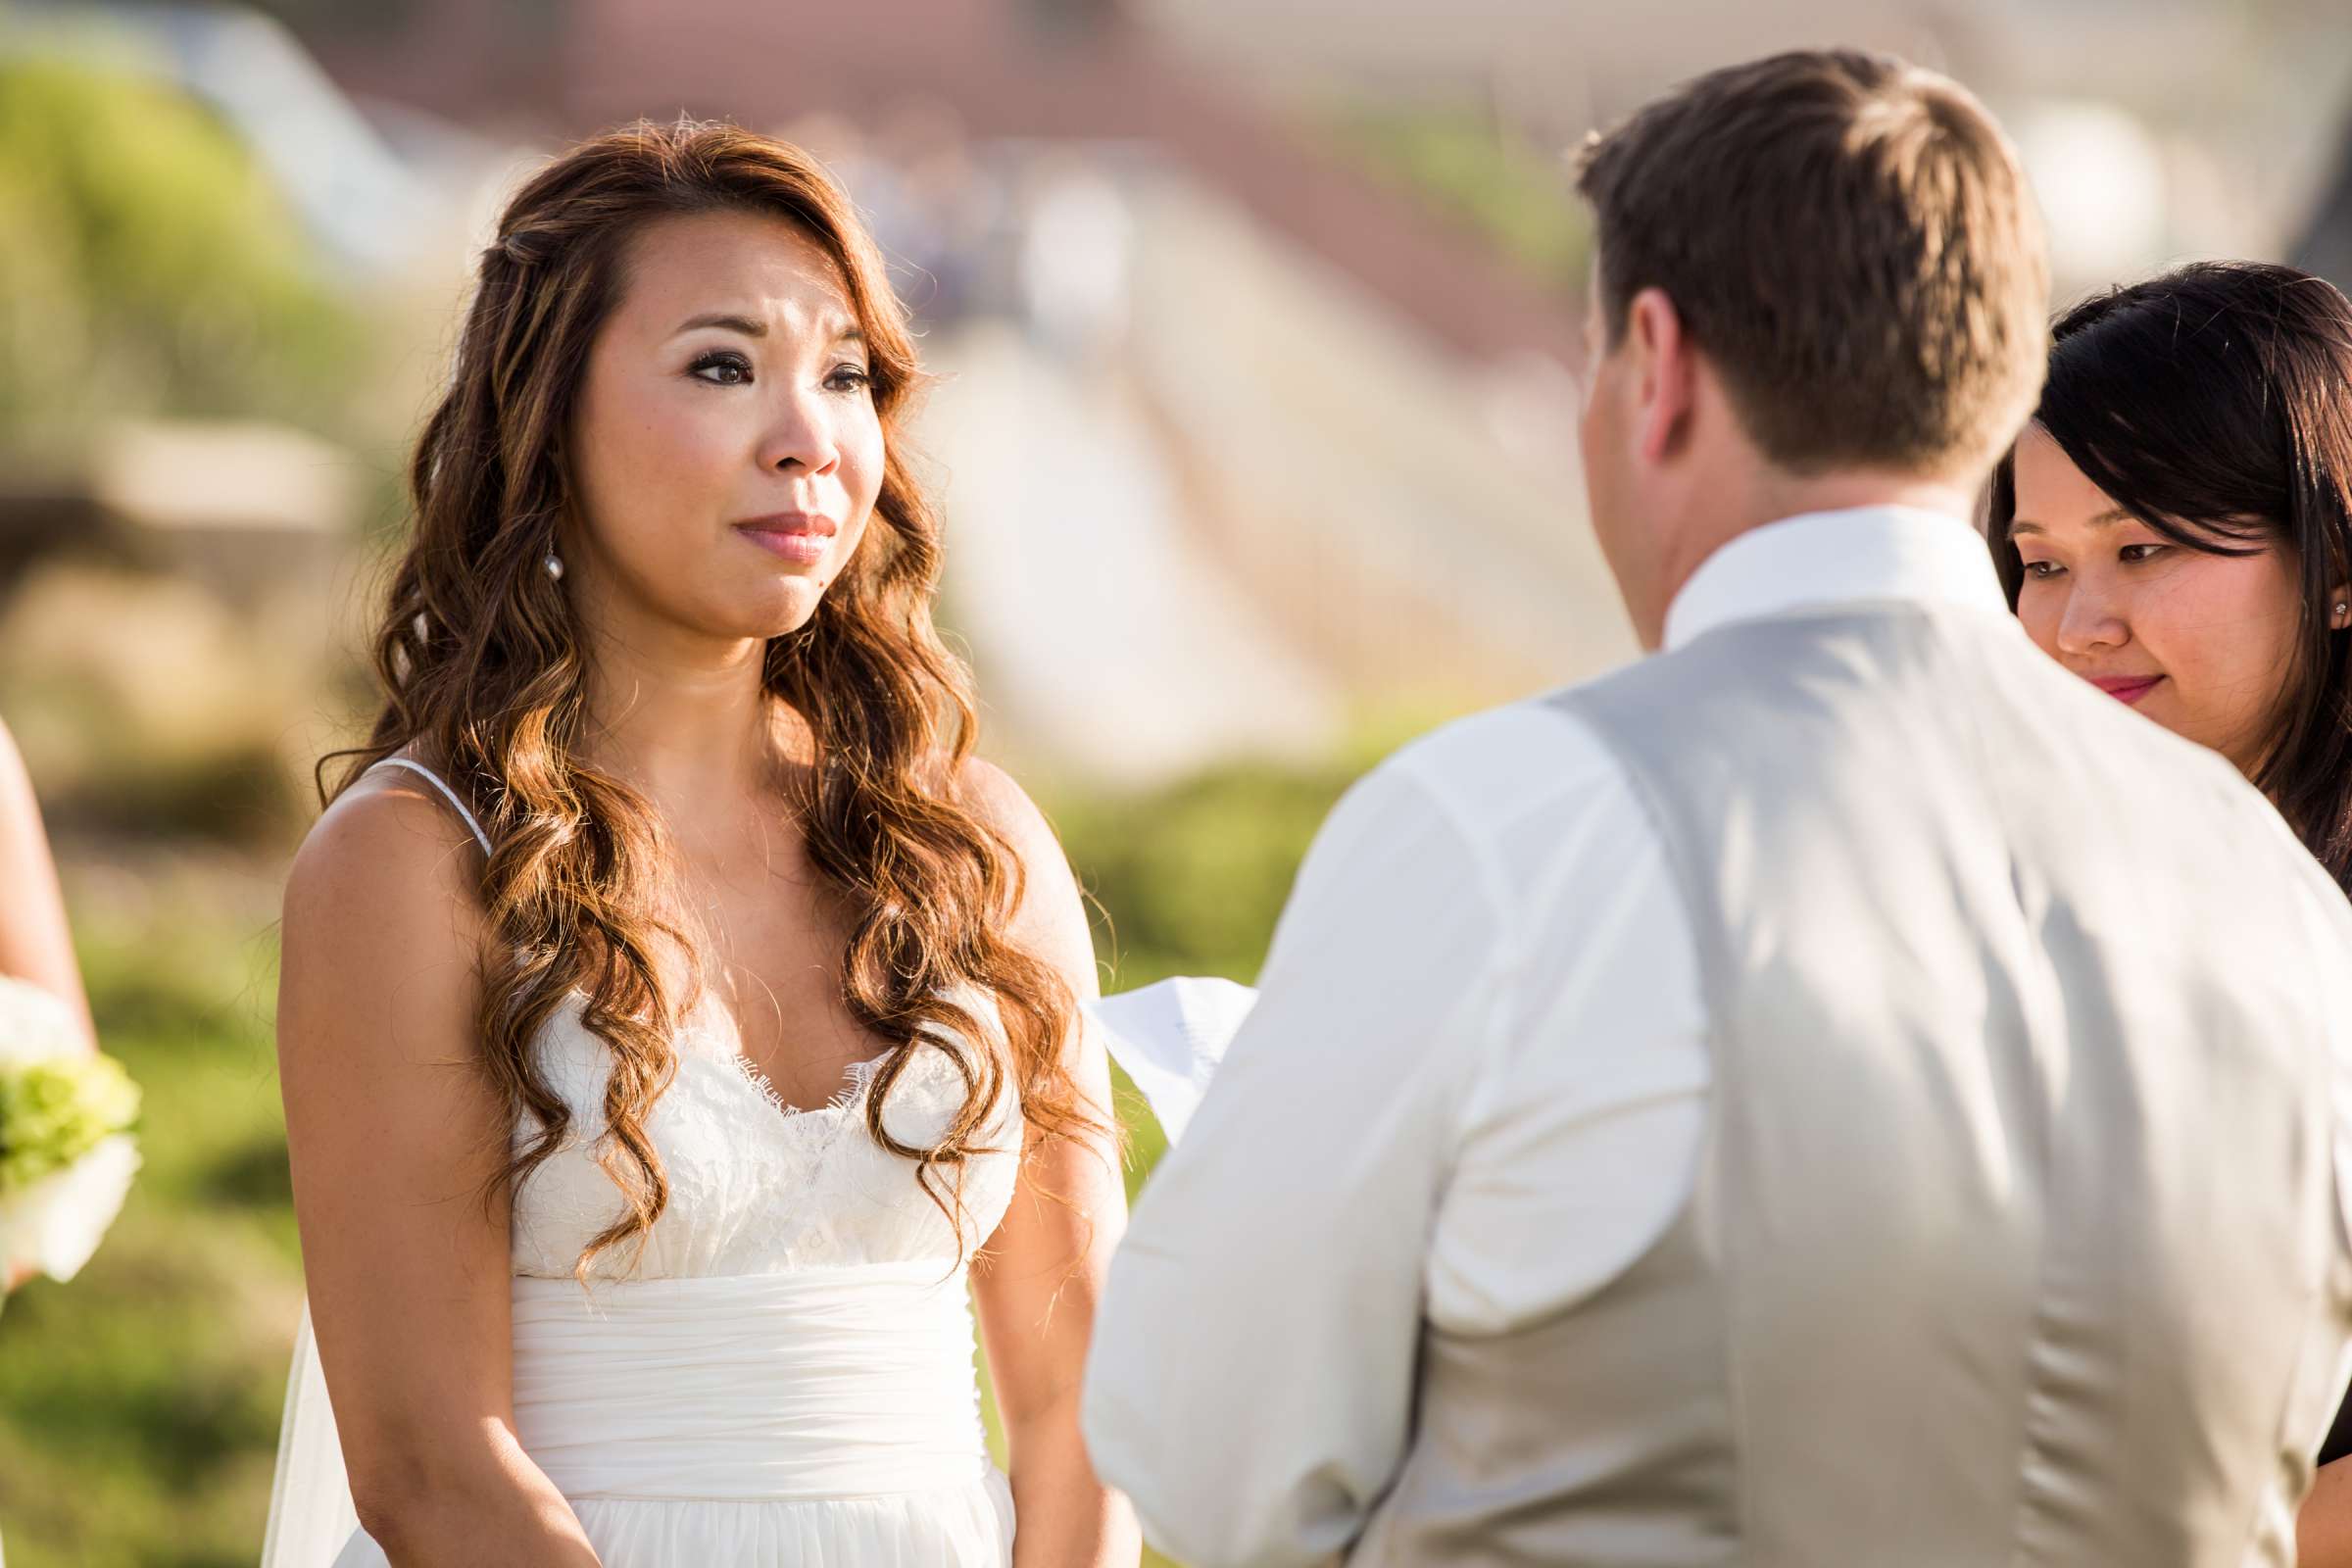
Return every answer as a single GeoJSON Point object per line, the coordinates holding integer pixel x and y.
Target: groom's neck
{"type": "Point", "coordinates": [1768, 496]}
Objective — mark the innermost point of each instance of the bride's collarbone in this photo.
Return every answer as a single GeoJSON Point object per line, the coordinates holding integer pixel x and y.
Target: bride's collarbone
{"type": "Point", "coordinates": [755, 962]}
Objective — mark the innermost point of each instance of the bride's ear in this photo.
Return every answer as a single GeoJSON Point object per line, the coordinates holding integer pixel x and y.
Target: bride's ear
{"type": "Point", "coordinates": [2339, 606]}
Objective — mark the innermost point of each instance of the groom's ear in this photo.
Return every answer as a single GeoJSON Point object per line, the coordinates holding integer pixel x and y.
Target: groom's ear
{"type": "Point", "coordinates": [1662, 370]}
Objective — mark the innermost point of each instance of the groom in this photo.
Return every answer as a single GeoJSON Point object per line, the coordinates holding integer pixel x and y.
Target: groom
{"type": "Point", "coordinates": [1839, 1092]}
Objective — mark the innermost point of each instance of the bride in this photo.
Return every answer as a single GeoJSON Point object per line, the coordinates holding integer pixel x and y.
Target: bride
{"type": "Point", "coordinates": [672, 1009]}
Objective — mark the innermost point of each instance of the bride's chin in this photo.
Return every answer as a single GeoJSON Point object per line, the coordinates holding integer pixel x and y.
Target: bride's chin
{"type": "Point", "coordinates": [783, 612]}
{"type": "Point", "coordinates": [774, 610]}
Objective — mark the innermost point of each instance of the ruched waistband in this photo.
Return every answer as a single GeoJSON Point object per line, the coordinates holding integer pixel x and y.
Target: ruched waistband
{"type": "Point", "coordinates": [821, 1383]}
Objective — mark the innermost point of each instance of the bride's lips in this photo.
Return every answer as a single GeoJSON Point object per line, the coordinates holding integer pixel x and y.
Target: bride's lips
{"type": "Point", "coordinates": [800, 537]}
{"type": "Point", "coordinates": [2127, 688]}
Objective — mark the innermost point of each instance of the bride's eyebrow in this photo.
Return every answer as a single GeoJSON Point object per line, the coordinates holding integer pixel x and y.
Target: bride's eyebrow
{"type": "Point", "coordinates": [733, 324]}
{"type": "Point", "coordinates": [848, 332]}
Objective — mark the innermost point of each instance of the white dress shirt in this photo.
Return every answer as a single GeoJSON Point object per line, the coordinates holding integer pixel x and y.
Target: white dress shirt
{"type": "Point", "coordinates": [1473, 1089]}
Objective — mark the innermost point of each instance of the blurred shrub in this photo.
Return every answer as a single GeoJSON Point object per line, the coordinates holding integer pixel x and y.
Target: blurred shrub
{"type": "Point", "coordinates": [1193, 875]}
{"type": "Point", "coordinates": [149, 707]}
{"type": "Point", "coordinates": [148, 265]}
{"type": "Point", "coordinates": [1480, 172]}
{"type": "Point", "coordinates": [139, 1404]}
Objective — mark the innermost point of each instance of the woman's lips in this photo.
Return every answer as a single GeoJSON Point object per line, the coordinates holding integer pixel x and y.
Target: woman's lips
{"type": "Point", "coordinates": [801, 547]}
{"type": "Point", "coordinates": [2127, 688]}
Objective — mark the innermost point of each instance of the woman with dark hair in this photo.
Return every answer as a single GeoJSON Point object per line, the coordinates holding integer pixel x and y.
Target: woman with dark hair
{"type": "Point", "coordinates": [2176, 526]}
{"type": "Point", "coordinates": [672, 1007]}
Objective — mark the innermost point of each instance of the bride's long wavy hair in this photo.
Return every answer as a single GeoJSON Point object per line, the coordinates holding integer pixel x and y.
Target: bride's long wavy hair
{"type": "Point", "coordinates": [485, 673]}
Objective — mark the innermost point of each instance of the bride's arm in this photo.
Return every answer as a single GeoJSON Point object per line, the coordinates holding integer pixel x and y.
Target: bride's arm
{"type": "Point", "coordinates": [1037, 1282]}
{"type": "Point", "coordinates": [395, 1138]}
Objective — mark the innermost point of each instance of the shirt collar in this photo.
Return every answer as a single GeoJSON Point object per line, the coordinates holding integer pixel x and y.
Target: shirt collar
{"type": "Point", "coordinates": [1837, 558]}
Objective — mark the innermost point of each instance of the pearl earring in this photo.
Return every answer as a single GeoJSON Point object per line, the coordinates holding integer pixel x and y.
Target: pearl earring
{"type": "Point", "coordinates": [555, 566]}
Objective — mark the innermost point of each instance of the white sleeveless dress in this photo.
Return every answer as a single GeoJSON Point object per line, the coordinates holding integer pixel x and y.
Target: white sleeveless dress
{"type": "Point", "coordinates": [787, 1376]}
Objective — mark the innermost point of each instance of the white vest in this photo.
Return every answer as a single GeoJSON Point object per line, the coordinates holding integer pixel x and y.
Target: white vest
{"type": "Point", "coordinates": [2016, 1240]}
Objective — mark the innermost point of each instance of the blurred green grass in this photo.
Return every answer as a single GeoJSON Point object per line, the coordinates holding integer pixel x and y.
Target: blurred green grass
{"type": "Point", "coordinates": [139, 1404]}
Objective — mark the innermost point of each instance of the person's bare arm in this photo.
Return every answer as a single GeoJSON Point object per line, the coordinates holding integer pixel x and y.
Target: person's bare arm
{"type": "Point", "coordinates": [1037, 1282]}
{"type": "Point", "coordinates": [395, 1137]}
{"type": "Point", "coordinates": [34, 942]}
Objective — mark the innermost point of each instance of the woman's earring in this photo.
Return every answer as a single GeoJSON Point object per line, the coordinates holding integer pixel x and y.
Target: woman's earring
{"type": "Point", "coordinates": [555, 570]}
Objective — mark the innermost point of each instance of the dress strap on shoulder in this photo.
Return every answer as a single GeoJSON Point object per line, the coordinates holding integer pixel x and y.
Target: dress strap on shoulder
{"type": "Point", "coordinates": [446, 793]}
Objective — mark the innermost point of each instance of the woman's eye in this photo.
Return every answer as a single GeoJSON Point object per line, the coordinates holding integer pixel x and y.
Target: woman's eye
{"type": "Point", "coordinates": [848, 379]}
{"type": "Point", "coordinates": [2043, 571]}
{"type": "Point", "coordinates": [722, 369]}
{"type": "Point", "coordinates": [2134, 554]}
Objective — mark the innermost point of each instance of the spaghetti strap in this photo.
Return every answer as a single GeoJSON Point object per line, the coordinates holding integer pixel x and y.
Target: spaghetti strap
{"type": "Point", "coordinates": [446, 793]}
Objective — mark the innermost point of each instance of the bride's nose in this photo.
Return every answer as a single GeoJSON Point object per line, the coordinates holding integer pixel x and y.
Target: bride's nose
{"type": "Point", "coordinates": [799, 440]}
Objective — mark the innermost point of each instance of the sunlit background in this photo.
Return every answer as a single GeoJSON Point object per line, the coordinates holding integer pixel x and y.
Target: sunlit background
{"type": "Point", "coordinates": [1259, 327]}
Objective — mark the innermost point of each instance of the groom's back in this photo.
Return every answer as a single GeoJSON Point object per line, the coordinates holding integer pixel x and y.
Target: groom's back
{"type": "Point", "coordinates": [2016, 1238]}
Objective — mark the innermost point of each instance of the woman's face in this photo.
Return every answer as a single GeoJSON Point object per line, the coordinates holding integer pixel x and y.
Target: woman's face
{"type": "Point", "coordinates": [2202, 643]}
{"type": "Point", "coordinates": [725, 452]}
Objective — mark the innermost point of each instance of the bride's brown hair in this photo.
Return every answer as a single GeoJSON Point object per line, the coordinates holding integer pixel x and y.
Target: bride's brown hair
{"type": "Point", "coordinates": [485, 674]}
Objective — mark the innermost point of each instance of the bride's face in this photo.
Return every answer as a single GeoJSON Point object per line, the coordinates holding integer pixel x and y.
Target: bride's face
{"type": "Point", "coordinates": [2202, 643]}
{"type": "Point", "coordinates": [725, 452]}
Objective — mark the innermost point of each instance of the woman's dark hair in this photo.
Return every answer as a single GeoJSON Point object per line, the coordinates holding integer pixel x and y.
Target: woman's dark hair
{"type": "Point", "coordinates": [2215, 405]}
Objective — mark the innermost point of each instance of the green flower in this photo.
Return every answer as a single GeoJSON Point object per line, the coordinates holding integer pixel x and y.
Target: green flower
{"type": "Point", "coordinates": [54, 1111]}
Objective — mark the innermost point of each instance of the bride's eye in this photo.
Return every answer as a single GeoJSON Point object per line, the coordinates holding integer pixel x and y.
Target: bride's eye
{"type": "Point", "coordinates": [2043, 571]}
{"type": "Point", "coordinates": [722, 368]}
{"type": "Point", "coordinates": [2133, 554]}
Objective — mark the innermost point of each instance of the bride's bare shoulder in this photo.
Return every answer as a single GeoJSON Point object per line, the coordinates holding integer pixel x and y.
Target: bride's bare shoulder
{"type": "Point", "coordinates": [999, 801]}
{"type": "Point", "coordinates": [1051, 919]}
{"type": "Point", "coordinates": [389, 868]}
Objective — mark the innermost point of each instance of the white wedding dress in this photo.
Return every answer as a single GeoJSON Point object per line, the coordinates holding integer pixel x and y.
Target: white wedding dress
{"type": "Point", "coordinates": [787, 1377]}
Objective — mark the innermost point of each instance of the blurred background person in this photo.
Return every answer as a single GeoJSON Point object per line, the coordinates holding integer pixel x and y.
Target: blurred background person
{"type": "Point", "coordinates": [2176, 526]}
{"type": "Point", "coordinates": [1274, 485]}
{"type": "Point", "coordinates": [35, 947]}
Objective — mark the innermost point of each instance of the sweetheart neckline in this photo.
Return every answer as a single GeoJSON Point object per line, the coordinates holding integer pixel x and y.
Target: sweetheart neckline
{"type": "Point", "coordinates": [856, 1077]}
{"type": "Point", "coordinates": [856, 1082]}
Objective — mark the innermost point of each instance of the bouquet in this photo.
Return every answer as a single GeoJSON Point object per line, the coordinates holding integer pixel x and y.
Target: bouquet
{"type": "Point", "coordinates": [67, 1156]}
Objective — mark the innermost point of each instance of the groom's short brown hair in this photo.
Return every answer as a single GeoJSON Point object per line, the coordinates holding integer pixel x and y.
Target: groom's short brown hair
{"type": "Point", "coordinates": [1849, 240]}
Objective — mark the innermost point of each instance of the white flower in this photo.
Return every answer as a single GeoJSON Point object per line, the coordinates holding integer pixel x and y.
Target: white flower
{"type": "Point", "coordinates": [56, 1224]}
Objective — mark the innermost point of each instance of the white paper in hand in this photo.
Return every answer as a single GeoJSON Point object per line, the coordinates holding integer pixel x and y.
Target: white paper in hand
{"type": "Point", "coordinates": [1170, 1037]}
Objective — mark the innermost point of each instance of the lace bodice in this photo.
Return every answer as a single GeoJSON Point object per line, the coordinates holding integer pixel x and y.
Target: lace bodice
{"type": "Point", "coordinates": [756, 1187]}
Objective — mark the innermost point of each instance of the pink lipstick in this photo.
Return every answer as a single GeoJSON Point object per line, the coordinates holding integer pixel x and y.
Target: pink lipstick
{"type": "Point", "coordinates": [800, 537]}
{"type": "Point", "coordinates": [2127, 688]}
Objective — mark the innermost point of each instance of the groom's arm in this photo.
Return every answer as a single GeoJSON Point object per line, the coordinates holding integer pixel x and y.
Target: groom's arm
{"type": "Point", "coordinates": [1252, 1374]}
{"type": "Point", "coordinates": [1471, 1095]}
